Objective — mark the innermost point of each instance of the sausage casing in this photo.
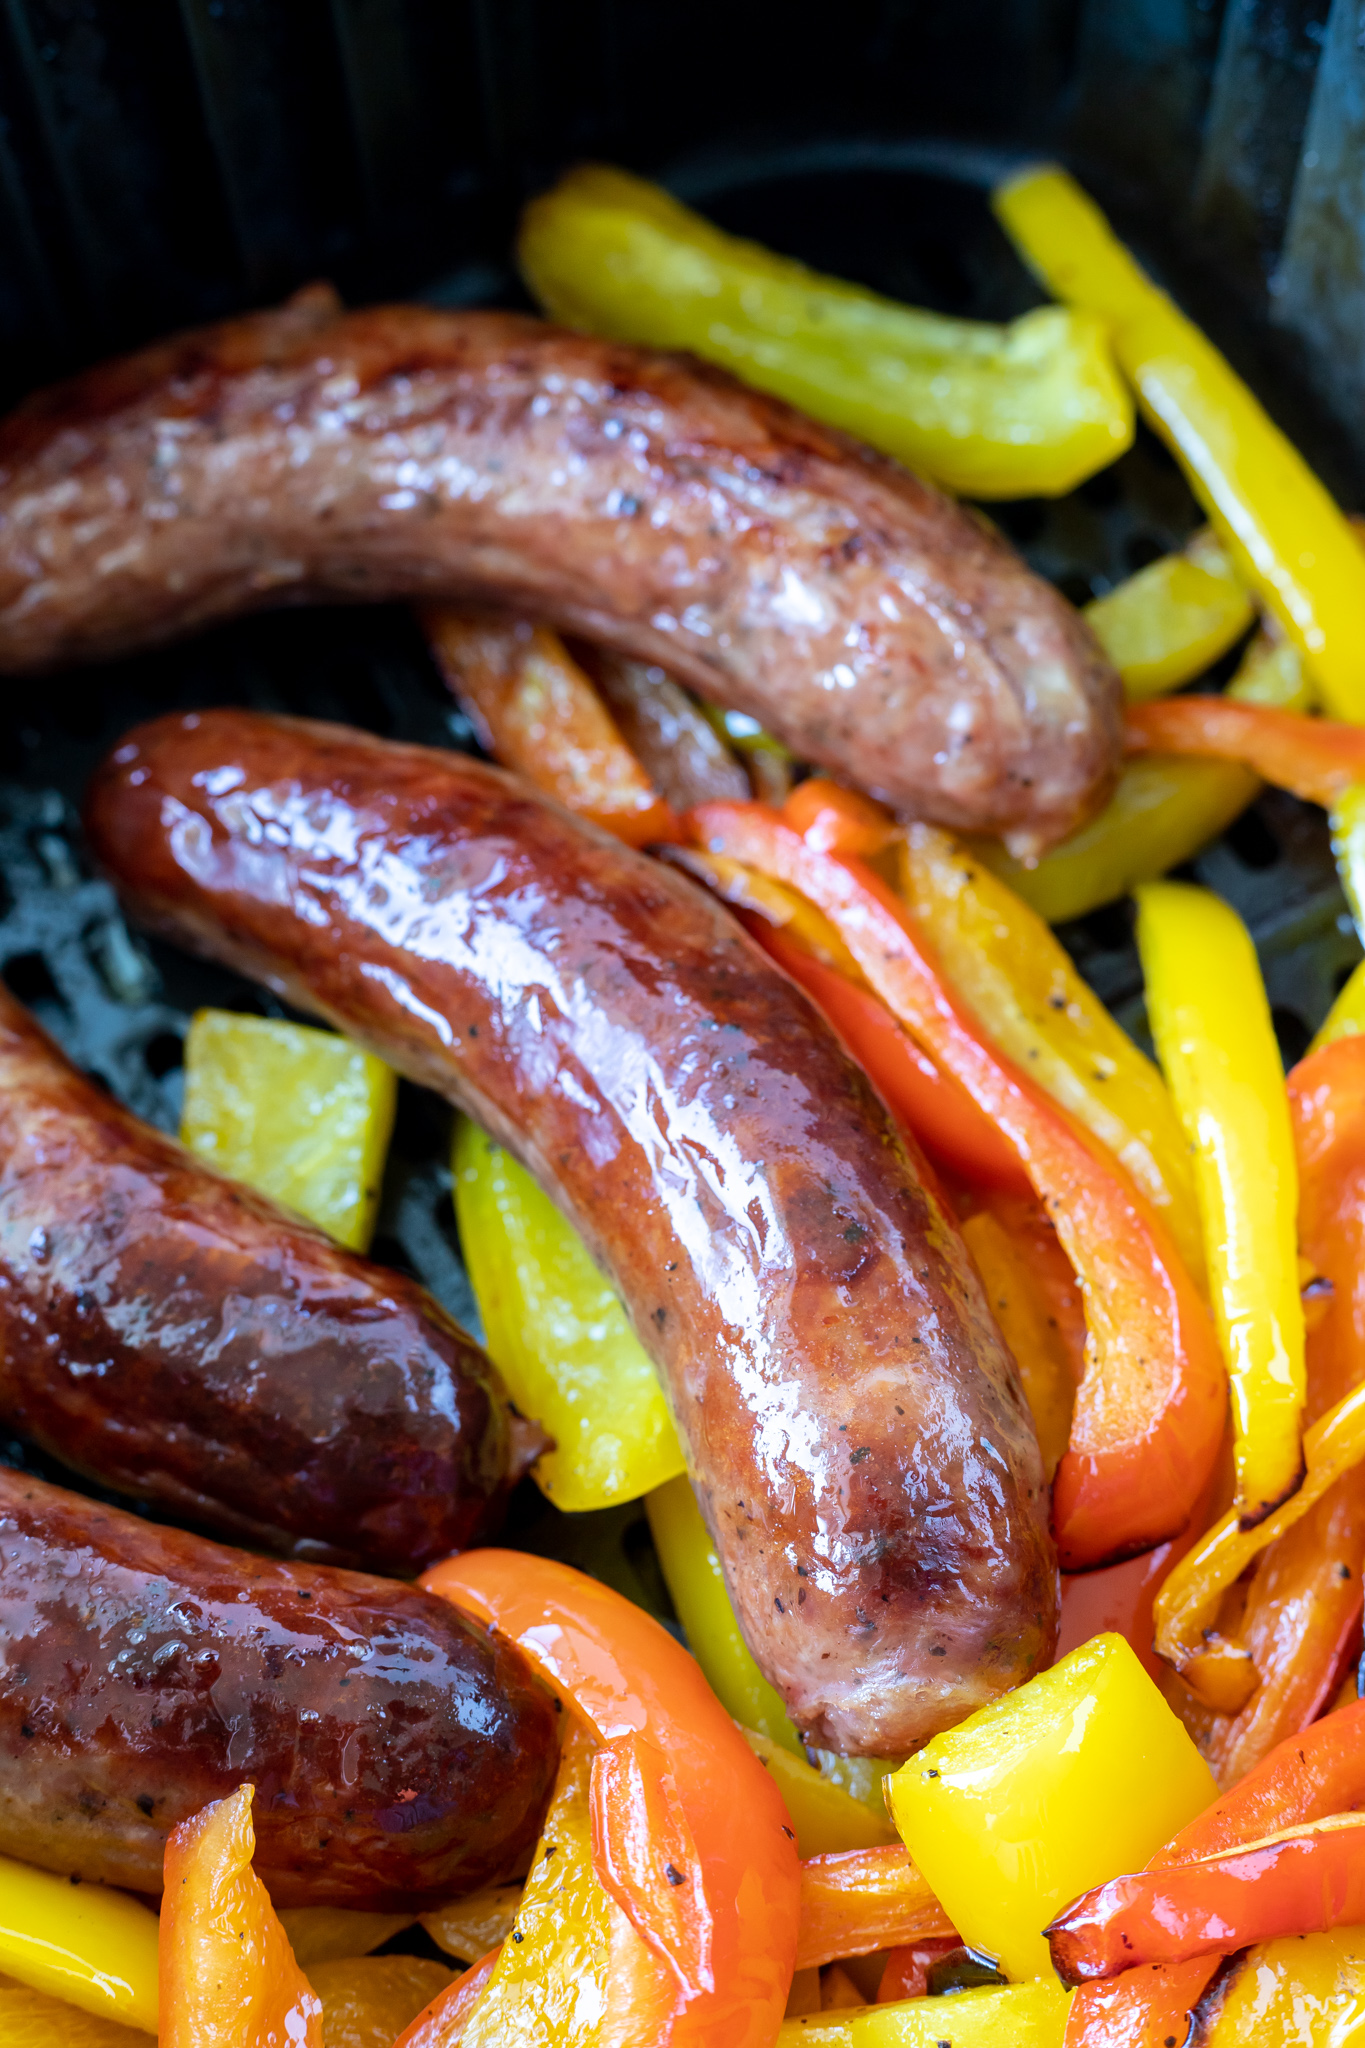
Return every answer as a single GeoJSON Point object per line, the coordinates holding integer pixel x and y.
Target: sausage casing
{"type": "Point", "coordinates": [400, 1755]}
{"type": "Point", "coordinates": [854, 1423]}
{"type": "Point", "coordinates": [179, 1338]}
{"type": "Point", "coordinates": [645, 502]}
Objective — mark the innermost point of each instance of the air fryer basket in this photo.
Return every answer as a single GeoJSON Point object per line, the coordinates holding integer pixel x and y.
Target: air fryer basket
{"type": "Point", "coordinates": [902, 213]}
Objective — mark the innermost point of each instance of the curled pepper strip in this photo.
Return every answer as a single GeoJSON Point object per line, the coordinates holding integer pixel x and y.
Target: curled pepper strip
{"type": "Point", "coordinates": [862, 1900]}
{"type": "Point", "coordinates": [638, 1690]}
{"type": "Point", "coordinates": [1300, 1880]}
{"type": "Point", "coordinates": [1149, 1412]}
{"type": "Point", "coordinates": [1314, 758]}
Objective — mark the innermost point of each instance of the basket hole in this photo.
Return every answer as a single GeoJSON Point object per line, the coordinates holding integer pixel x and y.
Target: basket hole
{"type": "Point", "coordinates": [28, 977]}
{"type": "Point", "coordinates": [1253, 842]}
{"type": "Point", "coordinates": [1076, 588]}
{"type": "Point", "coordinates": [163, 1053]}
{"type": "Point", "coordinates": [1141, 548]}
{"type": "Point", "coordinates": [1293, 1034]}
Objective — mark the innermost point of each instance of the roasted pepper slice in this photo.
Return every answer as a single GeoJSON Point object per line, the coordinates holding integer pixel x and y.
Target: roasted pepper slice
{"type": "Point", "coordinates": [827, 1819]}
{"type": "Point", "coordinates": [559, 1336]}
{"type": "Point", "coordinates": [533, 708]}
{"type": "Point", "coordinates": [336, 1934]}
{"type": "Point", "coordinates": [1317, 758]}
{"type": "Point", "coordinates": [1165, 625]}
{"type": "Point", "coordinates": [1286, 537]}
{"type": "Point", "coordinates": [1210, 1020]}
{"type": "Point", "coordinates": [862, 1900]}
{"type": "Point", "coordinates": [1081, 1772]}
{"type": "Point", "coordinates": [302, 1115]}
{"type": "Point", "coordinates": [374, 1998]}
{"type": "Point", "coordinates": [729, 1931]}
{"type": "Point", "coordinates": [1000, 957]}
{"type": "Point", "coordinates": [995, 412]}
{"type": "Point", "coordinates": [90, 1947]}
{"type": "Point", "coordinates": [1165, 807]}
{"type": "Point", "coordinates": [1304, 1989]}
{"type": "Point", "coordinates": [1143, 1440]}
{"type": "Point", "coordinates": [227, 1971]}
{"type": "Point", "coordinates": [1015, 2016]}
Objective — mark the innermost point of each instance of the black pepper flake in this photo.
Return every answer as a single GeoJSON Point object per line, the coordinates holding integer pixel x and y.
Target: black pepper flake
{"type": "Point", "coordinates": [673, 1875]}
{"type": "Point", "coordinates": [856, 1457]}
{"type": "Point", "coordinates": [778, 1604]}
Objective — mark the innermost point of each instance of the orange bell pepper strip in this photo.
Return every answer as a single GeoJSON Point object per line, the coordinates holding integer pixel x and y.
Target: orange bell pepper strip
{"type": "Point", "coordinates": [442, 2023]}
{"type": "Point", "coordinates": [860, 1900]}
{"type": "Point", "coordinates": [533, 709]}
{"type": "Point", "coordinates": [1314, 758]}
{"type": "Point", "coordinates": [1300, 1880]}
{"type": "Point", "coordinates": [227, 1971]}
{"type": "Point", "coordinates": [1149, 1412]}
{"type": "Point", "coordinates": [674, 1777]}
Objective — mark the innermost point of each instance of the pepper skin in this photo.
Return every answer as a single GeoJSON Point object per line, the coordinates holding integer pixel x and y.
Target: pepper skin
{"type": "Point", "coordinates": [853, 1423]}
{"type": "Point", "coordinates": [399, 1755]}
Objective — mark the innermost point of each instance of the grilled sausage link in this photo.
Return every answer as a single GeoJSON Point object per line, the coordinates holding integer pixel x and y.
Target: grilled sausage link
{"type": "Point", "coordinates": [400, 1755]}
{"type": "Point", "coordinates": [643, 501]}
{"type": "Point", "coordinates": [854, 1423]}
{"type": "Point", "coordinates": [178, 1337]}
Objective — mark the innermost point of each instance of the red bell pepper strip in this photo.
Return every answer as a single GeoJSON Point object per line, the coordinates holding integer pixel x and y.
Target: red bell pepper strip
{"type": "Point", "coordinates": [1150, 1410]}
{"type": "Point", "coordinates": [731, 1934]}
{"type": "Point", "coordinates": [1300, 1880]}
{"type": "Point", "coordinates": [1315, 758]}
{"type": "Point", "coordinates": [926, 1102]}
{"type": "Point", "coordinates": [906, 1972]}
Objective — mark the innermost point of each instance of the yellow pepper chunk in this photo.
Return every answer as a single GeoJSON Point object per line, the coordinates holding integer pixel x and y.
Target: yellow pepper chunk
{"type": "Point", "coordinates": [367, 2001]}
{"type": "Point", "coordinates": [1019, 981]}
{"type": "Point", "coordinates": [1079, 1775]}
{"type": "Point", "coordinates": [1014, 2016]}
{"type": "Point", "coordinates": [1285, 535]}
{"type": "Point", "coordinates": [1210, 1021]}
{"type": "Point", "coordinates": [301, 1115]}
{"type": "Point", "coordinates": [1347, 1014]}
{"type": "Point", "coordinates": [335, 1934]}
{"type": "Point", "coordinates": [1307, 1991]}
{"type": "Point", "coordinates": [30, 2019]}
{"type": "Point", "coordinates": [826, 1818]}
{"type": "Point", "coordinates": [1172, 620]}
{"type": "Point", "coordinates": [468, 1928]}
{"type": "Point", "coordinates": [549, 1989]}
{"type": "Point", "coordinates": [995, 412]}
{"type": "Point", "coordinates": [90, 1946]}
{"type": "Point", "coordinates": [559, 1336]}
{"type": "Point", "coordinates": [1165, 808]}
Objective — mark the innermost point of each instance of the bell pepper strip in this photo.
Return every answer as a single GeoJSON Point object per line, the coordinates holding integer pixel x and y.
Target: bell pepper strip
{"type": "Point", "coordinates": [91, 1947]}
{"type": "Point", "coordinates": [1314, 758]}
{"type": "Point", "coordinates": [631, 1682]}
{"type": "Point", "coordinates": [1014, 1266]}
{"type": "Point", "coordinates": [1304, 1989]}
{"type": "Point", "coordinates": [1210, 1022]}
{"type": "Point", "coordinates": [827, 1819]}
{"type": "Point", "coordinates": [764, 903]}
{"type": "Point", "coordinates": [1148, 1416]}
{"type": "Point", "coordinates": [864, 1900]}
{"type": "Point", "coordinates": [336, 1934]}
{"type": "Point", "coordinates": [1164, 809]}
{"type": "Point", "coordinates": [1029, 2015]}
{"type": "Point", "coordinates": [227, 1972]}
{"type": "Point", "coordinates": [469, 1928]}
{"type": "Point", "coordinates": [1287, 539]}
{"type": "Point", "coordinates": [1019, 411]}
{"type": "Point", "coordinates": [1346, 1018]}
{"type": "Point", "coordinates": [1019, 982]}
{"type": "Point", "coordinates": [376, 1998]}
{"type": "Point", "coordinates": [559, 1336]}
{"type": "Point", "coordinates": [1304, 1879]}
{"type": "Point", "coordinates": [906, 1971]}
{"type": "Point", "coordinates": [1165, 625]}
{"type": "Point", "coordinates": [32, 2019]}
{"type": "Point", "coordinates": [1143, 2008]}
{"type": "Point", "coordinates": [1346, 819]}
{"type": "Point", "coordinates": [533, 709]}
{"type": "Point", "coordinates": [444, 2022]}
{"type": "Point", "coordinates": [672, 736]}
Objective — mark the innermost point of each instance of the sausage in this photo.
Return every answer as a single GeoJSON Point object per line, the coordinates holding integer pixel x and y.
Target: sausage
{"type": "Point", "coordinates": [853, 1421]}
{"type": "Point", "coordinates": [400, 1755]}
{"type": "Point", "coordinates": [179, 1338]}
{"type": "Point", "coordinates": [642, 501]}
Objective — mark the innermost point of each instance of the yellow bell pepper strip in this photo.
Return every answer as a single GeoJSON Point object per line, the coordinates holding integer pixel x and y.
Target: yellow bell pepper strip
{"type": "Point", "coordinates": [1080, 1773]}
{"type": "Point", "coordinates": [443, 2023]}
{"type": "Point", "coordinates": [301, 1115]}
{"type": "Point", "coordinates": [559, 1336]}
{"type": "Point", "coordinates": [1019, 982]}
{"type": "Point", "coordinates": [826, 1818]}
{"type": "Point", "coordinates": [373, 1998]}
{"type": "Point", "coordinates": [31, 2019]}
{"type": "Point", "coordinates": [1210, 1022]}
{"type": "Point", "coordinates": [1347, 821]}
{"type": "Point", "coordinates": [1346, 1018]}
{"type": "Point", "coordinates": [1148, 1416]}
{"type": "Point", "coordinates": [468, 1928]}
{"type": "Point", "coordinates": [1306, 1989]}
{"type": "Point", "coordinates": [84, 1944]}
{"type": "Point", "coordinates": [1286, 537]}
{"type": "Point", "coordinates": [228, 1974]}
{"type": "Point", "coordinates": [1164, 809]}
{"type": "Point", "coordinates": [1172, 620]}
{"type": "Point", "coordinates": [1013, 2016]}
{"type": "Point", "coordinates": [644, 1698]}
{"type": "Point", "coordinates": [533, 709]}
{"type": "Point", "coordinates": [863, 1900]}
{"type": "Point", "coordinates": [1315, 758]}
{"type": "Point", "coordinates": [335, 1934]}
{"type": "Point", "coordinates": [995, 412]}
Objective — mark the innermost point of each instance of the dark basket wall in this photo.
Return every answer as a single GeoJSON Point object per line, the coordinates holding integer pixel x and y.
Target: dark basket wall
{"type": "Point", "coordinates": [163, 161]}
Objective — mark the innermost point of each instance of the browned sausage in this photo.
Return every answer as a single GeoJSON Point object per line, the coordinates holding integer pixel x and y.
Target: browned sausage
{"type": "Point", "coordinates": [400, 1755]}
{"type": "Point", "coordinates": [854, 1424]}
{"type": "Point", "coordinates": [642, 501]}
{"type": "Point", "coordinates": [180, 1338]}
